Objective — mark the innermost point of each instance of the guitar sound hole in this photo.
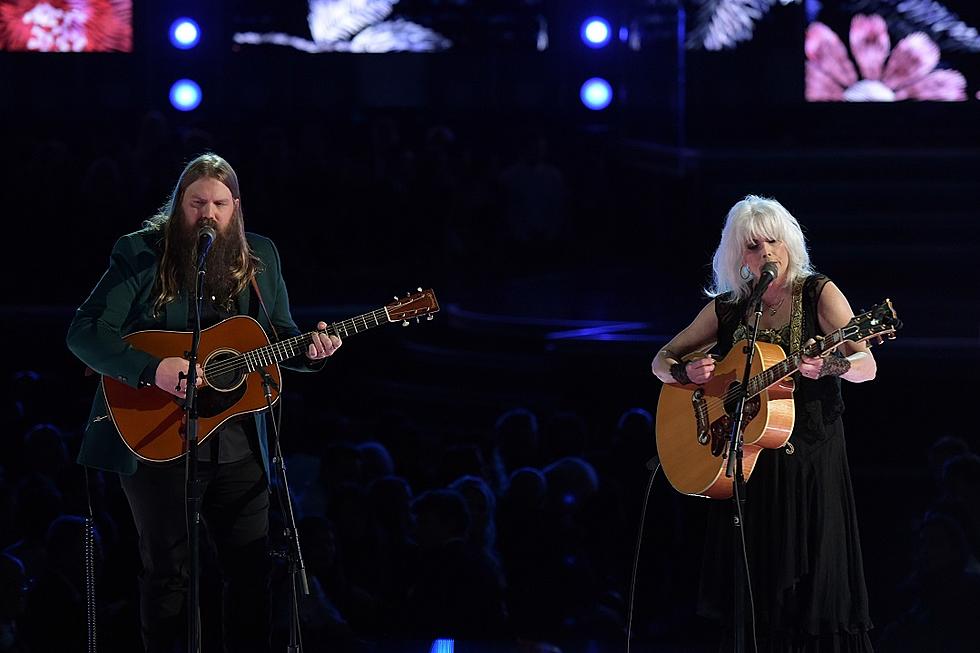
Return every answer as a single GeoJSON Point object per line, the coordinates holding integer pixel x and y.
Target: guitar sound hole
{"type": "Point", "coordinates": [225, 385]}
{"type": "Point", "coordinates": [222, 375]}
{"type": "Point", "coordinates": [731, 397]}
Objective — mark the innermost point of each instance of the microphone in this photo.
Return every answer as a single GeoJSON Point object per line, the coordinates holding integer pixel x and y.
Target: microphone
{"type": "Point", "coordinates": [767, 275]}
{"type": "Point", "coordinates": [205, 238]}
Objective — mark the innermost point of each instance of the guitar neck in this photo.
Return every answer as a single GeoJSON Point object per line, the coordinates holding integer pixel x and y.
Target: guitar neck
{"type": "Point", "coordinates": [769, 377]}
{"type": "Point", "coordinates": [277, 352]}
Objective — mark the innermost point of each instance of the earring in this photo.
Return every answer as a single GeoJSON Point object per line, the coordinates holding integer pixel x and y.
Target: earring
{"type": "Point", "coordinates": [745, 272]}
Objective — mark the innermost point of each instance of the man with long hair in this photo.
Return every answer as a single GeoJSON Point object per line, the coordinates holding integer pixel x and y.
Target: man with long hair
{"type": "Point", "coordinates": [151, 284]}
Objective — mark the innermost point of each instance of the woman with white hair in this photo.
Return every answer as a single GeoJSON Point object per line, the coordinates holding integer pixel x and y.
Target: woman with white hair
{"type": "Point", "coordinates": [801, 531]}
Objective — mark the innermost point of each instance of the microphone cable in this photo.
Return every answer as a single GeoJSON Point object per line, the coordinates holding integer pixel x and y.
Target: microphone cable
{"type": "Point", "coordinates": [654, 465]}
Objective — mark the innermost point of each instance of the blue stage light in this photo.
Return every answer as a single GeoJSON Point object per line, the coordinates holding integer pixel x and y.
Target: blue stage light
{"type": "Point", "coordinates": [184, 33]}
{"type": "Point", "coordinates": [442, 646]}
{"type": "Point", "coordinates": [596, 32]}
{"type": "Point", "coordinates": [185, 95]}
{"type": "Point", "coordinates": [596, 93]}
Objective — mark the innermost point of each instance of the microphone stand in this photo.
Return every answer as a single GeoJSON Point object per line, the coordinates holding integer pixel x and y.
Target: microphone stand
{"type": "Point", "coordinates": [294, 555]}
{"type": "Point", "coordinates": [734, 467]}
{"type": "Point", "coordinates": [193, 484]}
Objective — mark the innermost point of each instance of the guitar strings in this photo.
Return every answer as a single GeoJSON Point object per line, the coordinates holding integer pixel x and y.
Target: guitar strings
{"type": "Point", "coordinates": [733, 393]}
{"type": "Point", "coordinates": [794, 358]}
{"type": "Point", "coordinates": [254, 357]}
{"type": "Point", "coordinates": [258, 354]}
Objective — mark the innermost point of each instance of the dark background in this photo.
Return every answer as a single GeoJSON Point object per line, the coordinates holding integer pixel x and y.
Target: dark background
{"type": "Point", "coordinates": [377, 174]}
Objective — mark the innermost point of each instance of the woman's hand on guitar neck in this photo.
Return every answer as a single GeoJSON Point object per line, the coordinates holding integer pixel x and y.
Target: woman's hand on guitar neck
{"type": "Point", "coordinates": [172, 376]}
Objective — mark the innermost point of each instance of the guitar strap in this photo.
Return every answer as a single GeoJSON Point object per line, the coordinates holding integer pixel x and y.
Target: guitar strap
{"type": "Point", "coordinates": [255, 287]}
{"type": "Point", "coordinates": [796, 317]}
{"type": "Point", "coordinates": [795, 334]}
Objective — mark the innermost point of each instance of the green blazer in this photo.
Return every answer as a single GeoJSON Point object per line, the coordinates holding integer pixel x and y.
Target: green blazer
{"type": "Point", "coordinates": [121, 303]}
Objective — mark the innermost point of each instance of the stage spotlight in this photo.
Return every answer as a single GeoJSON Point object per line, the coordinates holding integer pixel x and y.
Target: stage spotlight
{"type": "Point", "coordinates": [184, 33]}
{"type": "Point", "coordinates": [596, 93]}
{"type": "Point", "coordinates": [596, 32]}
{"type": "Point", "coordinates": [185, 95]}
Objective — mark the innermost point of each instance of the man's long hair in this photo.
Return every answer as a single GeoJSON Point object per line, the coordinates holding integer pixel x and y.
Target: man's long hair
{"type": "Point", "coordinates": [168, 221]}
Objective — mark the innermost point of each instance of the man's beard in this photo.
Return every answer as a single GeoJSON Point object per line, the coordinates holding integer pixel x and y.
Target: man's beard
{"type": "Point", "coordinates": [225, 254]}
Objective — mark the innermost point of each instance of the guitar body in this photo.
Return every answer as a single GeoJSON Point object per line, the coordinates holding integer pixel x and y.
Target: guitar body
{"type": "Point", "coordinates": [694, 423]}
{"type": "Point", "coordinates": [153, 423]}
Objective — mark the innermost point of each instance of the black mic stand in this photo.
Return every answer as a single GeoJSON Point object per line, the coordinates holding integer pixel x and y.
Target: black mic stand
{"type": "Point", "coordinates": [193, 484]}
{"type": "Point", "coordinates": [294, 555]}
{"type": "Point", "coordinates": [734, 467]}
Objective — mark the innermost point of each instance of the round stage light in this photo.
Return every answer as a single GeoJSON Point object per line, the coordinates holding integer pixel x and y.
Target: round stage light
{"type": "Point", "coordinates": [184, 33]}
{"type": "Point", "coordinates": [596, 32]}
{"type": "Point", "coordinates": [185, 95]}
{"type": "Point", "coordinates": [596, 93]}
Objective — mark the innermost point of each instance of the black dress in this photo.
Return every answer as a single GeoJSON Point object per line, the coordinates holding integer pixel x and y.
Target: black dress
{"type": "Point", "coordinates": [801, 528]}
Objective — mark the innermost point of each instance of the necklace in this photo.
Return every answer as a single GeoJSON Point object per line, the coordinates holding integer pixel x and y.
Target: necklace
{"type": "Point", "coordinates": [775, 307]}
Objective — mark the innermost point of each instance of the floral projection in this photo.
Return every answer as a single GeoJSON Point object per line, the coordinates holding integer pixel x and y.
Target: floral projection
{"type": "Point", "coordinates": [883, 74]}
{"type": "Point", "coordinates": [66, 25]}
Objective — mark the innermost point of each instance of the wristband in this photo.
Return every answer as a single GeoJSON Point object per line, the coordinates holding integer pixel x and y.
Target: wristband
{"type": "Point", "coordinates": [679, 372]}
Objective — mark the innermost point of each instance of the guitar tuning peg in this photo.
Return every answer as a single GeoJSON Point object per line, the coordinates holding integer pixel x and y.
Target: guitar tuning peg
{"type": "Point", "coordinates": [396, 296]}
{"type": "Point", "coordinates": [417, 320]}
{"type": "Point", "coordinates": [420, 288]}
{"type": "Point", "coordinates": [429, 317]}
{"type": "Point", "coordinates": [404, 322]}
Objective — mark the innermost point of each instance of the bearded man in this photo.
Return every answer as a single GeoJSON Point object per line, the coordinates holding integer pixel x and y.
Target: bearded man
{"type": "Point", "coordinates": [151, 284]}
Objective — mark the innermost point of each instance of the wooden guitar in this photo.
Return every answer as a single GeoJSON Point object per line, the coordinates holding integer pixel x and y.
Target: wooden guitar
{"type": "Point", "coordinates": [234, 353]}
{"type": "Point", "coordinates": [694, 423]}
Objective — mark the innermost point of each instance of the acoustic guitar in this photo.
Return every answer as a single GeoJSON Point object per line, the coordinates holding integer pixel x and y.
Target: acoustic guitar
{"type": "Point", "coordinates": [694, 423]}
{"type": "Point", "coordinates": [235, 353]}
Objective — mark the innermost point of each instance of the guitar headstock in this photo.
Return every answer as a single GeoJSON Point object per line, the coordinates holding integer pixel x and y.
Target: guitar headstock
{"type": "Point", "coordinates": [413, 305]}
{"type": "Point", "coordinates": [878, 323]}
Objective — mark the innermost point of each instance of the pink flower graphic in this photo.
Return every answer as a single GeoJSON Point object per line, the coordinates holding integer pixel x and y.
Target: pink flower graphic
{"type": "Point", "coordinates": [906, 72]}
{"type": "Point", "coordinates": [66, 25]}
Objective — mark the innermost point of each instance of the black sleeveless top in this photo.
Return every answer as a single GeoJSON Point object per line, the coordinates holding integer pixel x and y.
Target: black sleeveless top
{"type": "Point", "coordinates": [800, 521]}
{"type": "Point", "coordinates": [818, 402]}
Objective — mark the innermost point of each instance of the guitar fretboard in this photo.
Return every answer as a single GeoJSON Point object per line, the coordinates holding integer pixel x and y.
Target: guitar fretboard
{"type": "Point", "coordinates": [791, 363]}
{"type": "Point", "coordinates": [277, 352]}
